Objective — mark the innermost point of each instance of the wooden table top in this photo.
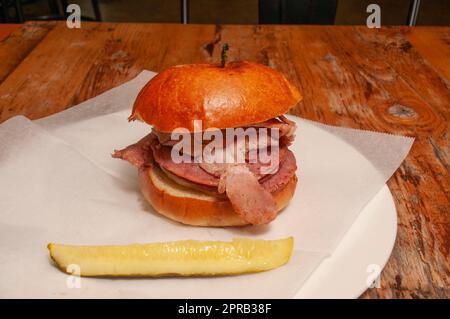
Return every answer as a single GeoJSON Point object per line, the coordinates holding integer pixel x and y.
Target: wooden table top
{"type": "Point", "coordinates": [394, 79]}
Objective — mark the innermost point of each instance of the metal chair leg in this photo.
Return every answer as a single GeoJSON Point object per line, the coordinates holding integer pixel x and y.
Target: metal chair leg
{"type": "Point", "coordinates": [184, 6]}
{"type": "Point", "coordinates": [413, 12]}
{"type": "Point", "coordinates": [19, 11]}
{"type": "Point", "coordinates": [5, 14]}
{"type": "Point", "coordinates": [54, 8]}
{"type": "Point", "coordinates": [96, 7]}
{"type": "Point", "coordinates": [64, 5]}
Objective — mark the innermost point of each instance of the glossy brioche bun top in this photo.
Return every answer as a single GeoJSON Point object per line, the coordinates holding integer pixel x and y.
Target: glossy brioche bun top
{"type": "Point", "coordinates": [239, 94]}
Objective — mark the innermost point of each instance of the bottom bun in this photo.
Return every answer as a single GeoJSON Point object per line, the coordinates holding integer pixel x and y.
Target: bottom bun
{"type": "Point", "coordinates": [193, 207]}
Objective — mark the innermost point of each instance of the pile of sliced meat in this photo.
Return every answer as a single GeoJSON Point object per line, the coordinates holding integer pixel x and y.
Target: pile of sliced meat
{"type": "Point", "coordinates": [246, 185]}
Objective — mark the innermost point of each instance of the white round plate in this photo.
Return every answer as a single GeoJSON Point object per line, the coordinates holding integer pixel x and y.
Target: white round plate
{"type": "Point", "coordinates": [360, 256]}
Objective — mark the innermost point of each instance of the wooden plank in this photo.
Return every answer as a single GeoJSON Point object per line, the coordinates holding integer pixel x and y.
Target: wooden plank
{"type": "Point", "coordinates": [389, 80]}
{"type": "Point", "coordinates": [420, 187]}
{"type": "Point", "coordinates": [433, 46]}
{"type": "Point", "coordinates": [83, 63]}
{"type": "Point", "coordinates": [15, 47]}
{"type": "Point", "coordinates": [6, 29]}
{"type": "Point", "coordinates": [383, 85]}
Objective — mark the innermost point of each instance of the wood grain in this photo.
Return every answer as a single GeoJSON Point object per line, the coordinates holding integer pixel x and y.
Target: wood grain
{"type": "Point", "coordinates": [433, 45]}
{"type": "Point", "coordinates": [393, 79]}
{"type": "Point", "coordinates": [15, 47]}
{"type": "Point", "coordinates": [7, 28]}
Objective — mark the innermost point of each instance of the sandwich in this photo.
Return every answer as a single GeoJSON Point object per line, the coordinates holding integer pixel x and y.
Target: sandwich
{"type": "Point", "coordinates": [202, 162]}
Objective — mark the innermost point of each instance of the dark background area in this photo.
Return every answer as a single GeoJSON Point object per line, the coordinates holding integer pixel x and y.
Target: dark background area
{"type": "Point", "coordinates": [340, 12]}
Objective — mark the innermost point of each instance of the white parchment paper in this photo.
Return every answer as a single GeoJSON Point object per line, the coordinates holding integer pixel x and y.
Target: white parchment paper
{"type": "Point", "coordinates": [58, 183]}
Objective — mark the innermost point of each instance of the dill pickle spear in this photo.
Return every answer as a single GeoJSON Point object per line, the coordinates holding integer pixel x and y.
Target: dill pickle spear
{"type": "Point", "coordinates": [178, 258]}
